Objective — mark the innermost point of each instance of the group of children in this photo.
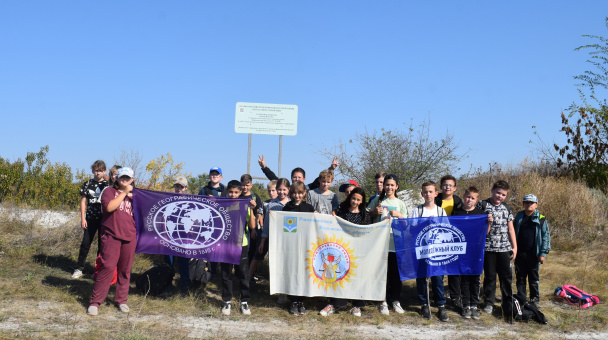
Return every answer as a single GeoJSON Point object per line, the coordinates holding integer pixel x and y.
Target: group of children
{"type": "Point", "coordinates": [506, 234]}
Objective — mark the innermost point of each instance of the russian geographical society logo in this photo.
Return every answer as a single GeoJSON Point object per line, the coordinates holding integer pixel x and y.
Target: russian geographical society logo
{"type": "Point", "coordinates": [188, 224]}
{"type": "Point", "coordinates": [440, 244]}
{"type": "Point", "coordinates": [290, 224]}
{"type": "Point", "coordinates": [330, 262]}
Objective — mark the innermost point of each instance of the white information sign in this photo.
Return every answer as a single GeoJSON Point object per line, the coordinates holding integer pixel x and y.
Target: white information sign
{"type": "Point", "coordinates": [266, 119]}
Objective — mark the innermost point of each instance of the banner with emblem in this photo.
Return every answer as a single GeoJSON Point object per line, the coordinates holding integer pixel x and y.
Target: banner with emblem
{"type": "Point", "coordinates": [323, 255]}
{"type": "Point", "coordinates": [431, 246]}
{"type": "Point", "coordinates": [201, 227]}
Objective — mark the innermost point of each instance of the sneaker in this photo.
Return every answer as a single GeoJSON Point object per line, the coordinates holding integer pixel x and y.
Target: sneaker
{"type": "Point", "coordinates": [457, 305]}
{"type": "Point", "coordinates": [466, 313]}
{"type": "Point", "coordinates": [442, 314]}
{"type": "Point", "coordinates": [293, 310]}
{"type": "Point", "coordinates": [92, 310]}
{"type": "Point", "coordinates": [328, 310]}
{"type": "Point", "coordinates": [356, 311]}
{"type": "Point", "coordinates": [488, 309]}
{"type": "Point", "coordinates": [426, 312]}
{"type": "Point", "coordinates": [397, 307]}
{"type": "Point", "coordinates": [301, 308]}
{"type": "Point", "coordinates": [77, 274]}
{"type": "Point", "coordinates": [384, 308]}
{"type": "Point", "coordinates": [245, 308]}
{"type": "Point", "coordinates": [123, 308]}
{"type": "Point", "coordinates": [475, 313]}
{"type": "Point", "coordinates": [226, 309]}
{"type": "Point", "coordinates": [282, 299]}
{"type": "Point", "coordinates": [534, 302]}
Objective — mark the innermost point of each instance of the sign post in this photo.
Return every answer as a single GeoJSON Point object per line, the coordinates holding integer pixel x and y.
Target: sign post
{"type": "Point", "coordinates": [266, 119]}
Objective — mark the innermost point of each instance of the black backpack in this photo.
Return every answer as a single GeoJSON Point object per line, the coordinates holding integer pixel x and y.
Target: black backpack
{"type": "Point", "coordinates": [519, 309]}
{"type": "Point", "coordinates": [155, 280]}
{"type": "Point", "coordinates": [198, 271]}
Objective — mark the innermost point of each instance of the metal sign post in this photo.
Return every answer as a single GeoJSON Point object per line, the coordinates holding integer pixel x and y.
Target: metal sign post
{"type": "Point", "coordinates": [266, 119]}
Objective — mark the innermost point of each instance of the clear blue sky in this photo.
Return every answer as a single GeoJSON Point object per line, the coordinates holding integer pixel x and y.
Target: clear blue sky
{"type": "Point", "coordinates": [89, 78]}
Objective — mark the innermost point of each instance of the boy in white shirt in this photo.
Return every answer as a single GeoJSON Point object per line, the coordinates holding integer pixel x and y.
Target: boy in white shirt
{"type": "Point", "coordinates": [430, 209]}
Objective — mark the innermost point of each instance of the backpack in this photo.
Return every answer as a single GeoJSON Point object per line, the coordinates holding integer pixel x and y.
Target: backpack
{"type": "Point", "coordinates": [155, 280]}
{"type": "Point", "coordinates": [520, 310]}
{"type": "Point", "coordinates": [573, 295]}
{"type": "Point", "coordinates": [421, 207]}
{"type": "Point", "coordinates": [198, 271]}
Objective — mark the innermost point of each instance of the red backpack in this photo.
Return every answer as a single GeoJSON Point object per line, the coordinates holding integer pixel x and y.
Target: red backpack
{"type": "Point", "coordinates": [573, 295]}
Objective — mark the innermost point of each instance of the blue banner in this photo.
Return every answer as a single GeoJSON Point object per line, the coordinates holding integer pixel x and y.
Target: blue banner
{"type": "Point", "coordinates": [200, 227]}
{"type": "Point", "coordinates": [431, 246]}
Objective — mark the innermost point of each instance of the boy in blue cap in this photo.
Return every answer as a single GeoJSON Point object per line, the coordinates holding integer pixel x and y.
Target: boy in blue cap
{"type": "Point", "coordinates": [533, 244]}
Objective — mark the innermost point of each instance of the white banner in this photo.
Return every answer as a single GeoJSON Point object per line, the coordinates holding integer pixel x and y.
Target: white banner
{"type": "Point", "coordinates": [322, 255]}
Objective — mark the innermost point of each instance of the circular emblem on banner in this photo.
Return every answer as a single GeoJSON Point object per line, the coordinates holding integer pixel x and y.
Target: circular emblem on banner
{"type": "Point", "coordinates": [330, 262]}
{"type": "Point", "coordinates": [441, 241]}
{"type": "Point", "coordinates": [190, 225]}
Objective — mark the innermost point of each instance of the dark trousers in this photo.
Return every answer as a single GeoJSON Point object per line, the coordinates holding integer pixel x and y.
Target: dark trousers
{"type": "Point", "coordinates": [470, 285]}
{"type": "Point", "coordinates": [87, 239]}
{"type": "Point", "coordinates": [183, 264]}
{"type": "Point", "coordinates": [341, 303]}
{"type": "Point", "coordinates": [393, 281]}
{"type": "Point", "coordinates": [493, 264]}
{"type": "Point", "coordinates": [438, 290]}
{"type": "Point", "coordinates": [241, 271]}
{"type": "Point", "coordinates": [527, 267]}
{"type": "Point", "coordinates": [454, 287]}
{"type": "Point", "coordinates": [117, 255]}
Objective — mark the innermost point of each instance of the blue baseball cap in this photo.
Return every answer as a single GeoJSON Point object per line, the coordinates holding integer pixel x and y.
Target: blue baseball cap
{"type": "Point", "coordinates": [124, 172]}
{"type": "Point", "coordinates": [216, 169]}
{"type": "Point", "coordinates": [531, 198]}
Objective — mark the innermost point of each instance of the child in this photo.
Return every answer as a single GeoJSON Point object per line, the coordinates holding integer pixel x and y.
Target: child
{"type": "Point", "coordinates": [183, 263]}
{"type": "Point", "coordinates": [118, 241]}
{"type": "Point", "coordinates": [448, 201]}
{"type": "Point", "coordinates": [501, 248]}
{"type": "Point", "coordinates": [241, 271]}
{"type": "Point", "coordinates": [379, 182]}
{"type": "Point", "coordinates": [430, 209]}
{"type": "Point", "coordinates": [297, 194]}
{"type": "Point", "coordinates": [90, 213]}
{"type": "Point", "coordinates": [297, 174]}
{"type": "Point", "coordinates": [352, 210]}
{"type": "Point", "coordinates": [113, 174]}
{"type": "Point", "coordinates": [272, 192]}
{"type": "Point", "coordinates": [470, 284]}
{"type": "Point", "coordinates": [533, 244]}
{"type": "Point", "coordinates": [214, 187]}
{"type": "Point", "coordinates": [247, 184]}
{"type": "Point", "coordinates": [276, 204]}
{"type": "Point", "coordinates": [322, 199]}
{"type": "Point", "coordinates": [384, 206]}
{"type": "Point", "coordinates": [346, 188]}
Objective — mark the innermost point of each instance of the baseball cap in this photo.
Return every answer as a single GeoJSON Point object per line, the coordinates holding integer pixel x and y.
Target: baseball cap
{"type": "Point", "coordinates": [124, 172]}
{"type": "Point", "coordinates": [216, 169]}
{"type": "Point", "coordinates": [531, 198]}
{"type": "Point", "coordinates": [345, 185]}
{"type": "Point", "coordinates": [181, 180]}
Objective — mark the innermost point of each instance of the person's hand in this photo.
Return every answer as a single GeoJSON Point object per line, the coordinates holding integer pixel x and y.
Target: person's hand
{"type": "Point", "coordinates": [261, 161]}
{"type": "Point", "coordinates": [261, 247]}
{"type": "Point", "coordinates": [490, 219]}
{"type": "Point", "coordinates": [253, 234]}
{"type": "Point", "coordinates": [395, 213]}
{"type": "Point", "coordinates": [541, 259]}
{"type": "Point", "coordinates": [129, 189]}
{"type": "Point", "coordinates": [83, 224]}
{"type": "Point", "coordinates": [334, 163]}
{"type": "Point", "coordinates": [333, 213]}
{"type": "Point", "coordinates": [252, 204]}
{"type": "Point", "coordinates": [514, 254]}
{"type": "Point", "coordinates": [379, 210]}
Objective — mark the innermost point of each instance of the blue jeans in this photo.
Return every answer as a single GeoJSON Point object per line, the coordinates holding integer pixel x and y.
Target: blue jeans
{"type": "Point", "coordinates": [183, 264]}
{"type": "Point", "coordinates": [438, 290]}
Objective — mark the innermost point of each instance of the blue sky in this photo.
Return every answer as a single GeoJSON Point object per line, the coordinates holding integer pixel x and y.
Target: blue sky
{"type": "Point", "coordinates": [90, 78]}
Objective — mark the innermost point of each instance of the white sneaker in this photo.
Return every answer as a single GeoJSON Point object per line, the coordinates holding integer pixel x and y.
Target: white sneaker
{"type": "Point", "coordinates": [384, 308]}
{"type": "Point", "coordinates": [92, 310]}
{"type": "Point", "coordinates": [397, 307]}
{"type": "Point", "coordinates": [124, 308]}
{"type": "Point", "coordinates": [226, 309]}
{"type": "Point", "coordinates": [77, 274]}
{"type": "Point", "coordinates": [245, 308]}
{"type": "Point", "coordinates": [356, 311]}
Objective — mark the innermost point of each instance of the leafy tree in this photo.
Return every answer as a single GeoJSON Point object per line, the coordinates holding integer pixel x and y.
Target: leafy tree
{"type": "Point", "coordinates": [260, 190]}
{"type": "Point", "coordinates": [411, 154]}
{"type": "Point", "coordinates": [195, 184]}
{"type": "Point", "coordinates": [161, 173]}
{"type": "Point", "coordinates": [584, 153]}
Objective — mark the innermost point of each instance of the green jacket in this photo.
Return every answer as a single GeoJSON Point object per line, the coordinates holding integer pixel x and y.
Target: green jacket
{"type": "Point", "coordinates": [543, 238]}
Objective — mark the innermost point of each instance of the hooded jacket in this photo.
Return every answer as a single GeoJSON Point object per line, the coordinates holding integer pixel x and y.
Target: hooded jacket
{"type": "Point", "coordinates": [543, 238]}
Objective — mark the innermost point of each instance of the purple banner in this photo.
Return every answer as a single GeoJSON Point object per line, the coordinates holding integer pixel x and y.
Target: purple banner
{"type": "Point", "coordinates": [201, 227]}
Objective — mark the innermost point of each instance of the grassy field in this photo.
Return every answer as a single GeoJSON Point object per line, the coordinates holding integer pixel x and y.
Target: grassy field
{"type": "Point", "coordinates": [39, 299]}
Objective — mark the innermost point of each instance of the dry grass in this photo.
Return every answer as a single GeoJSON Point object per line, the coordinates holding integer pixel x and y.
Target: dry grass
{"type": "Point", "coordinates": [39, 299]}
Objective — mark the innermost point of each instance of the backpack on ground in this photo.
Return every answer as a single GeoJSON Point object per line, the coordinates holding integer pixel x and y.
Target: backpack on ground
{"type": "Point", "coordinates": [519, 309]}
{"type": "Point", "coordinates": [155, 280]}
{"type": "Point", "coordinates": [198, 271]}
{"type": "Point", "coordinates": [574, 296]}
